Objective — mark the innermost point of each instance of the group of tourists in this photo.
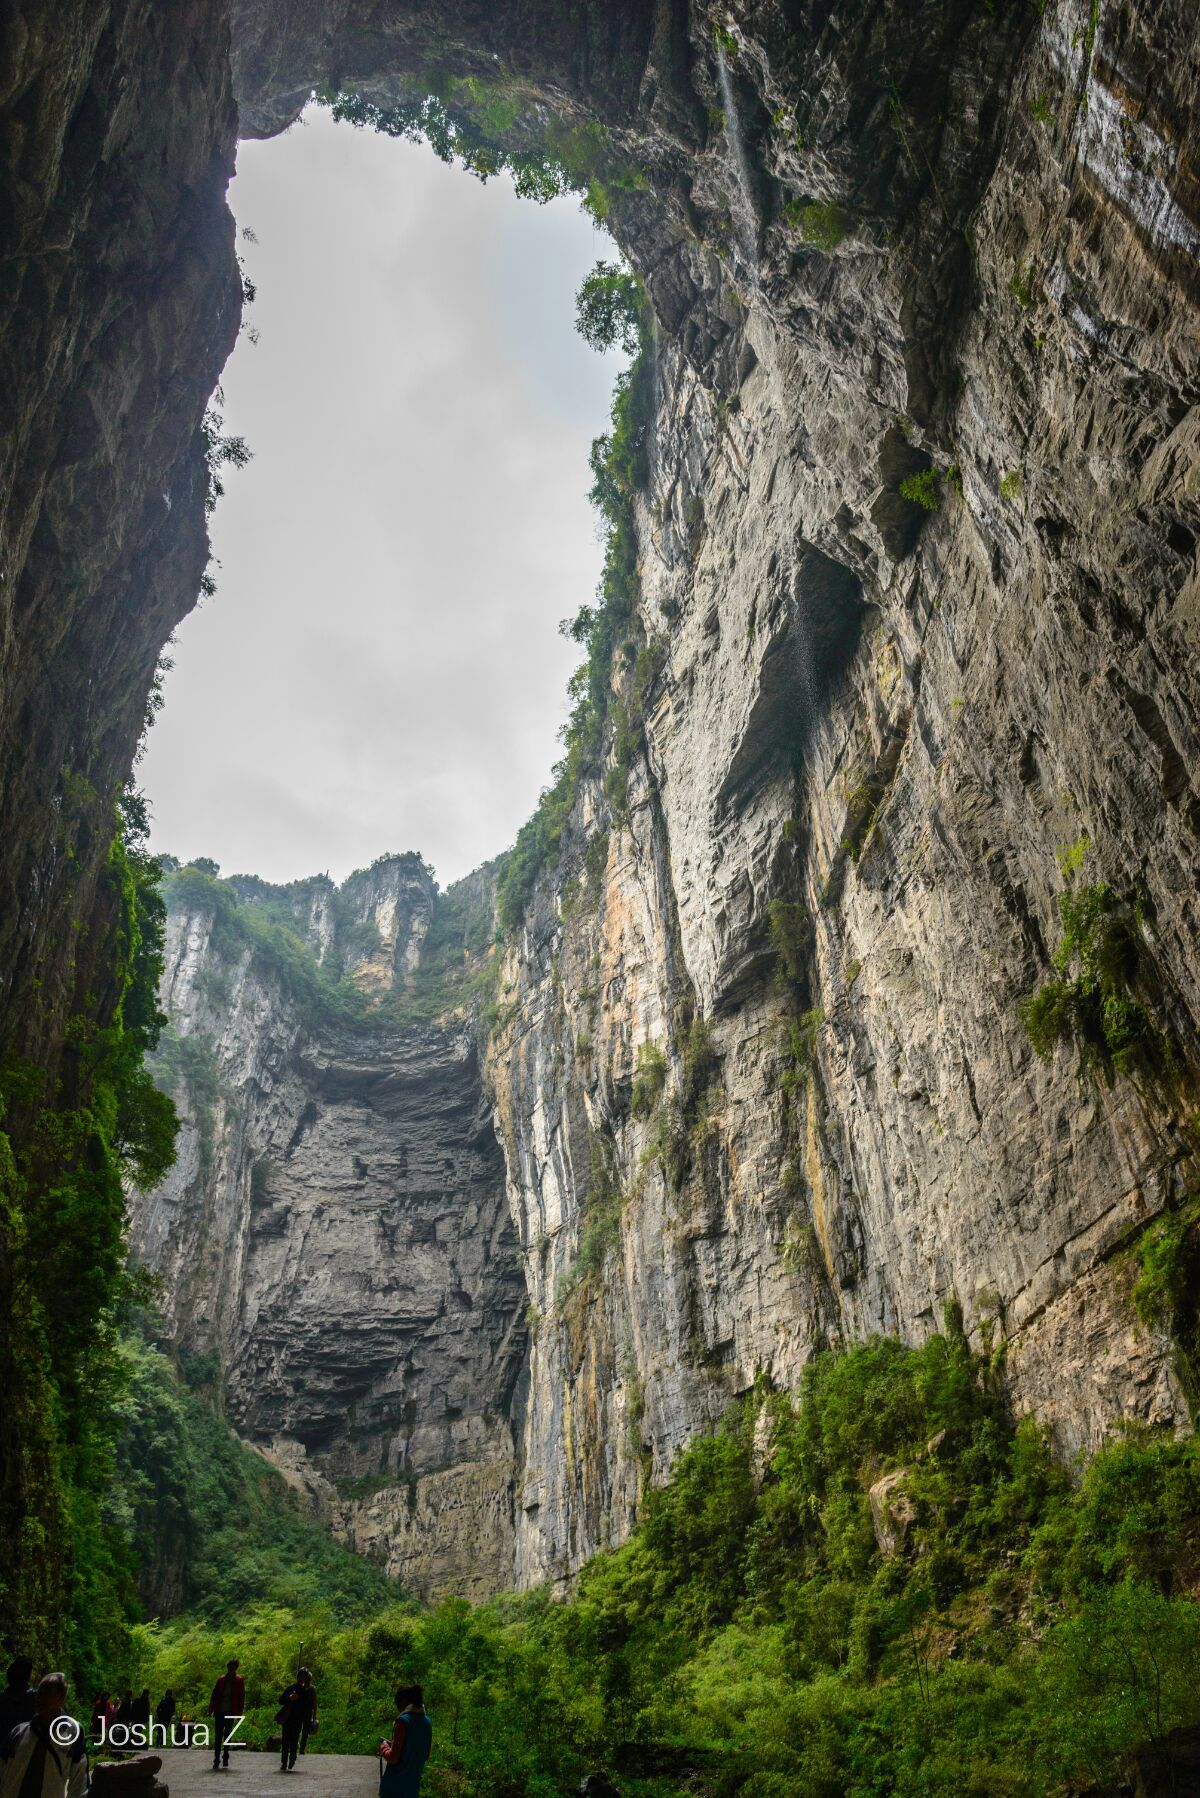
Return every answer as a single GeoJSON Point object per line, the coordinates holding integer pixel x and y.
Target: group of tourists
{"type": "Point", "coordinates": [296, 1716]}
{"type": "Point", "coordinates": [43, 1751]}
{"type": "Point", "coordinates": [129, 1713]}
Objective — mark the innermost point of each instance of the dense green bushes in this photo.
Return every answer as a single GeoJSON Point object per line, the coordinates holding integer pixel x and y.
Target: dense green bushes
{"type": "Point", "coordinates": [210, 1526]}
{"type": "Point", "coordinates": [1024, 1633]}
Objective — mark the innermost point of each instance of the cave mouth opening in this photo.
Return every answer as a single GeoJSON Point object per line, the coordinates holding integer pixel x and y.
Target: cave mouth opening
{"type": "Point", "coordinates": [380, 666]}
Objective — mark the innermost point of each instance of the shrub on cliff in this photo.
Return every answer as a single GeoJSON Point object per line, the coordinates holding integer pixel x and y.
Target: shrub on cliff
{"type": "Point", "coordinates": [610, 309]}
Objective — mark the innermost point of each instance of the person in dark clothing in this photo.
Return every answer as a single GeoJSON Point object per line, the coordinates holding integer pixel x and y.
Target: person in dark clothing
{"type": "Point", "coordinates": [296, 1713]}
{"type": "Point", "coordinates": [309, 1725]}
{"type": "Point", "coordinates": [125, 1709]}
{"type": "Point", "coordinates": [16, 1700]}
{"type": "Point", "coordinates": [141, 1708]}
{"type": "Point", "coordinates": [405, 1755]}
{"type": "Point", "coordinates": [227, 1704]}
{"type": "Point", "coordinates": [164, 1710]}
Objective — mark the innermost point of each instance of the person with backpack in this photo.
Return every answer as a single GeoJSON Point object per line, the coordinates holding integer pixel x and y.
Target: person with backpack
{"type": "Point", "coordinates": [47, 1756]}
{"type": "Point", "coordinates": [404, 1756]}
{"type": "Point", "coordinates": [296, 1714]}
{"type": "Point", "coordinates": [225, 1707]}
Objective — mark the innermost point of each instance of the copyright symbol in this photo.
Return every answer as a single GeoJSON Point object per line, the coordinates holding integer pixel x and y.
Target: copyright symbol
{"type": "Point", "coordinates": [64, 1732]}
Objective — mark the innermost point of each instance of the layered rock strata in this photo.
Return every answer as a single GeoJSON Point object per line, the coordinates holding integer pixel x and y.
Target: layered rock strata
{"type": "Point", "coordinates": [335, 1233]}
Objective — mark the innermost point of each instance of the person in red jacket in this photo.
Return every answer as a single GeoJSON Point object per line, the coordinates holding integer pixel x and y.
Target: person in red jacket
{"type": "Point", "coordinates": [227, 1704]}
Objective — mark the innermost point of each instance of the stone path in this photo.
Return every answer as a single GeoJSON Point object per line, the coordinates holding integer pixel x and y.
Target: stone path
{"type": "Point", "coordinates": [188, 1771]}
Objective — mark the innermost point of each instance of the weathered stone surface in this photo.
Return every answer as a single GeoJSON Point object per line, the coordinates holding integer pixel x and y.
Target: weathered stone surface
{"type": "Point", "coordinates": [119, 302]}
{"type": "Point", "coordinates": [892, 1511]}
{"type": "Point", "coordinates": [1014, 675]}
{"type": "Point", "coordinates": [336, 1231]}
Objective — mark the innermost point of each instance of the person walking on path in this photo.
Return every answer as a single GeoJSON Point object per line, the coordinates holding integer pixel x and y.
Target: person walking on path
{"type": "Point", "coordinates": [141, 1709]}
{"type": "Point", "coordinates": [227, 1704]}
{"type": "Point", "coordinates": [16, 1700]}
{"type": "Point", "coordinates": [47, 1756]}
{"type": "Point", "coordinates": [164, 1710]}
{"type": "Point", "coordinates": [297, 1712]}
{"type": "Point", "coordinates": [405, 1755]}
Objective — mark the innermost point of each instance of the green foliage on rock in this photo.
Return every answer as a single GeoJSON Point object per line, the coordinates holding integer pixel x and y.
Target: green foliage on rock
{"type": "Point", "coordinates": [683, 1118]}
{"type": "Point", "coordinates": [222, 449]}
{"type": "Point", "coordinates": [791, 932]}
{"type": "Point", "coordinates": [186, 1068]}
{"type": "Point", "coordinates": [802, 1035]}
{"type": "Point", "coordinates": [1167, 1293]}
{"type": "Point", "coordinates": [603, 1203]}
{"type": "Point", "coordinates": [1092, 998]}
{"type": "Point", "coordinates": [924, 489]}
{"type": "Point", "coordinates": [66, 1154]}
{"type": "Point", "coordinates": [488, 128]}
{"type": "Point", "coordinates": [610, 309]}
{"type": "Point", "coordinates": [822, 225]}
{"type": "Point", "coordinates": [265, 930]}
{"type": "Point", "coordinates": [649, 1079]}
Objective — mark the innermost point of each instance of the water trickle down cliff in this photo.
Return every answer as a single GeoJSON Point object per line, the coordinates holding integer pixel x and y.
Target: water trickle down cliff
{"type": "Point", "coordinates": [336, 1231]}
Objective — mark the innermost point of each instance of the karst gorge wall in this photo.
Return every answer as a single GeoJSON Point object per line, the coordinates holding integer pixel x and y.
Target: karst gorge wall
{"type": "Point", "coordinates": [336, 1233]}
{"type": "Point", "coordinates": [820, 871]}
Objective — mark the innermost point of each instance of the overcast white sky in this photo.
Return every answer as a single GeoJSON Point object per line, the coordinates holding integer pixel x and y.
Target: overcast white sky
{"type": "Point", "coordinates": [380, 668]}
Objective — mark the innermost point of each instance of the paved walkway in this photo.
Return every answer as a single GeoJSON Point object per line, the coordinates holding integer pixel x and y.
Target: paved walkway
{"type": "Point", "coordinates": [188, 1771]}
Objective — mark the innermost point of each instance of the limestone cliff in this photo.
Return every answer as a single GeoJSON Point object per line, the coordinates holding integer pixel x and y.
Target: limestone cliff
{"type": "Point", "coordinates": [886, 726]}
{"type": "Point", "coordinates": [757, 1065]}
{"type": "Point", "coordinates": [335, 1230]}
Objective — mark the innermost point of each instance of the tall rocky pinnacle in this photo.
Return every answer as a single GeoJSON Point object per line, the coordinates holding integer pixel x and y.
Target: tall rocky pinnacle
{"type": "Point", "coordinates": [759, 1078]}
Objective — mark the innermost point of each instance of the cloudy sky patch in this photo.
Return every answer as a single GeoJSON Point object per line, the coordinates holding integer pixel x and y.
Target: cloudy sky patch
{"type": "Point", "coordinates": [380, 668]}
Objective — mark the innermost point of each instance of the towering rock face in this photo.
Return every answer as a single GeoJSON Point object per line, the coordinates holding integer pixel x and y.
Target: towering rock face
{"type": "Point", "coordinates": [336, 1233]}
{"type": "Point", "coordinates": [884, 731]}
{"type": "Point", "coordinates": [757, 1065]}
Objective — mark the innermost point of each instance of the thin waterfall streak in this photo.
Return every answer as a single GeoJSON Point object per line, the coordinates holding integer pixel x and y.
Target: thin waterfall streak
{"type": "Point", "coordinates": [745, 216]}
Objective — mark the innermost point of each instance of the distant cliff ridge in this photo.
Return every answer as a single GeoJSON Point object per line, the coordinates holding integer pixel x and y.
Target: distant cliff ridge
{"type": "Point", "coordinates": [336, 1229]}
